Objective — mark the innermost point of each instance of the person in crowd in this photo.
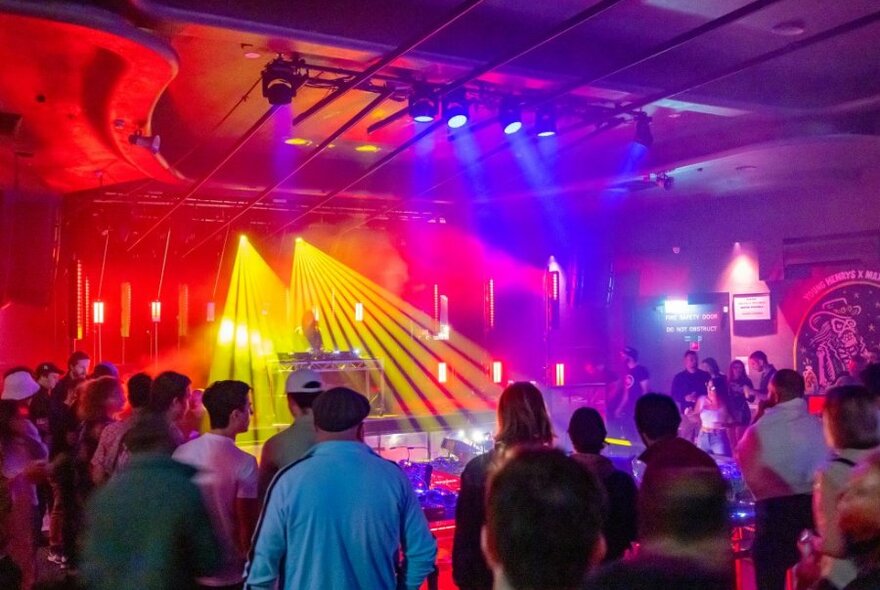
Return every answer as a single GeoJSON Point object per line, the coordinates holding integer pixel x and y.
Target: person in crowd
{"type": "Point", "coordinates": [40, 407]}
{"type": "Point", "coordinates": [587, 432]}
{"type": "Point", "coordinates": [110, 455]}
{"type": "Point", "coordinates": [22, 459]}
{"type": "Point", "coordinates": [170, 394]}
{"type": "Point", "coordinates": [684, 535]}
{"type": "Point", "coordinates": [759, 365]}
{"type": "Point", "coordinates": [98, 403]}
{"type": "Point", "coordinates": [710, 366]}
{"type": "Point", "coordinates": [104, 369]}
{"type": "Point", "coordinates": [778, 456]}
{"type": "Point", "coordinates": [303, 387]}
{"type": "Point", "coordinates": [10, 573]}
{"type": "Point", "coordinates": [658, 420]}
{"type": "Point", "coordinates": [859, 521]}
{"type": "Point", "coordinates": [227, 477]}
{"type": "Point", "coordinates": [543, 522]}
{"type": "Point", "coordinates": [850, 420]}
{"type": "Point", "coordinates": [194, 420]}
{"type": "Point", "coordinates": [148, 527]}
{"type": "Point", "coordinates": [712, 414]}
{"type": "Point", "coordinates": [633, 385]}
{"type": "Point", "coordinates": [522, 420]}
{"type": "Point", "coordinates": [690, 383]}
{"type": "Point", "coordinates": [870, 378]}
{"type": "Point", "coordinates": [77, 371]}
{"type": "Point", "coordinates": [739, 389]}
{"type": "Point", "coordinates": [342, 517]}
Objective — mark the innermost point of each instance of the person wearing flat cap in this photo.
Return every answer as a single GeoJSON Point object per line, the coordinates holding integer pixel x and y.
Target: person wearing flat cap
{"type": "Point", "coordinates": [21, 454]}
{"type": "Point", "coordinates": [303, 387]}
{"type": "Point", "coordinates": [341, 516]}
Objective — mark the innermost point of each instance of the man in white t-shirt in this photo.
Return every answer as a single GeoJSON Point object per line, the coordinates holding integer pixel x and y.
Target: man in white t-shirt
{"type": "Point", "coordinates": [227, 477]}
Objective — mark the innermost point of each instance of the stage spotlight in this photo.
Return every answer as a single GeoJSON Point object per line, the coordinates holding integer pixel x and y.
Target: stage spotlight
{"type": "Point", "coordinates": [455, 108]}
{"type": "Point", "coordinates": [422, 105]}
{"type": "Point", "coordinates": [510, 115]}
{"type": "Point", "coordinates": [148, 142]}
{"type": "Point", "coordinates": [643, 130]}
{"type": "Point", "coordinates": [545, 121]}
{"type": "Point", "coordinates": [281, 79]}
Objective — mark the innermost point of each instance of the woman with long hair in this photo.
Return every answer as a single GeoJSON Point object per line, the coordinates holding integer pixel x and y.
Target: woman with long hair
{"type": "Point", "coordinates": [739, 387]}
{"type": "Point", "coordinates": [711, 410]}
{"type": "Point", "coordinates": [710, 365]}
{"type": "Point", "coordinates": [22, 454]}
{"type": "Point", "coordinates": [522, 421]}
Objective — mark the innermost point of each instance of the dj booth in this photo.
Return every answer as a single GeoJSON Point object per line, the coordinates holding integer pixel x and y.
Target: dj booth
{"type": "Point", "coordinates": [366, 375]}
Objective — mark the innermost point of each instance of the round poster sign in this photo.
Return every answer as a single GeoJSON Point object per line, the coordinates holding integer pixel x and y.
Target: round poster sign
{"type": "Point", "coordinates": [840, 328]}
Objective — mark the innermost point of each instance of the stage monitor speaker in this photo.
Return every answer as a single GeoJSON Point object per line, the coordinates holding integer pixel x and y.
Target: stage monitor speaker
{"type": "Point", "coordinates": [28, 247]}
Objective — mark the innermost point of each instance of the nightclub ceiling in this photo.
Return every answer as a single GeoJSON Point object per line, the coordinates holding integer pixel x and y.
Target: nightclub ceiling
{"type": "Point", "coordinates": [736, 92]}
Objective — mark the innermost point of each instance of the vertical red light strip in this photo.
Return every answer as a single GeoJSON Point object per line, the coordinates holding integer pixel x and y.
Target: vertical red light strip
{"type": "Point", "coordinates": [491, 303]}
{"type": "Point", "coordinates": [560, 374]}
{"type": "Point", "coordinates": [156, 311]}
{"type": "Point", "coordinates": [125, 311]}
{"type": "Point", "coordinates": [98, 312]}
{"type": "Point", "coordinates": [554, 278]}
{"type": "Point", "coordinates": [87, 306]}
{"type": "Point", "coordinates": [182, 311]}
{"type": "Point", "coordinates": [76, 302]}
{"type": "Point", "coordinates": [497, 371]}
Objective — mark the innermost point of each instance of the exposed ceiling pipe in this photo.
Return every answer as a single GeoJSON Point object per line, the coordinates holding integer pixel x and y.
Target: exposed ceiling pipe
{"type": "Point", "coordinates": [319, 149]}
{"type": "Point", "coordinates": [366, 173]}
{"type": "Point", "coordinates": [563, 28]}
{"type": "Point", "coordinates": [613, 119]}
{"type": "Point", "coordinates": [558, 31]}
{"type": "Point", "coordinates": [204, 178]}
{"type": "Point", "coordinates": [385, 61]}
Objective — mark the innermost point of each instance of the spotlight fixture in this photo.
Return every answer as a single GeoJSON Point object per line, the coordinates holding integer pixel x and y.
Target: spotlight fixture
{"type": "Point", "coordinates": [455, 108]}
{"type": "Point", "coordinates": [422, 105]}
{"type": "Point", "coordinates": [510, 115]}
{"type": "Point", "coordinates": [643, 129]}
{"type": "Point", "coordinates": [281, 79]}
{"type": "Point", "coordinates": [545, 121]}
{"type": "Point", "coordinates": [148, 142]}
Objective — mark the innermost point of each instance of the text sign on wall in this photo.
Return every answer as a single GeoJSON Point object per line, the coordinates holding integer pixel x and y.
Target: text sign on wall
{"type": "Point", "coordinates": [750, 308]}
{"type": "Point", "coordinates": [696, 319]}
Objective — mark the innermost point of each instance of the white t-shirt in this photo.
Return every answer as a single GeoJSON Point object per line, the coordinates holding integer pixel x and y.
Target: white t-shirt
{"type": "Point", "coordinates": [225, 473]}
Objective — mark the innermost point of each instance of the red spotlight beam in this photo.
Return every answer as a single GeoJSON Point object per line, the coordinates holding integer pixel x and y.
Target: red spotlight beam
{"type": "Point", "coordinates": [561, 29]}
{"type": "Point", "coordinates": [385, 61]}
{"type": "Point", "coordinates": [308, 159]}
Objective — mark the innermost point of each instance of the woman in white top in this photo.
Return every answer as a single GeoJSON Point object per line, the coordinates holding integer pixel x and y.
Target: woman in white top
{"type": "Point", "coordinates": [711, 411]}
{"type": "Point", "coordinates": [850, 420]}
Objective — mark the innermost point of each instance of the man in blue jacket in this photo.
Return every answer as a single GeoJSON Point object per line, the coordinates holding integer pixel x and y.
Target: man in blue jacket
{"type": "Point", "coordinates": [342, 517]}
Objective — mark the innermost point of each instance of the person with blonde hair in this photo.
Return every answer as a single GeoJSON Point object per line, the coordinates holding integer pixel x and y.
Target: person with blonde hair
{"type": "Point", "coordinates": [522, 421]}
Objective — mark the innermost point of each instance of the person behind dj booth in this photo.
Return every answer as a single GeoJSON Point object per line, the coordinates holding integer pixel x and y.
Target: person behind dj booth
{"type": "Point", "coordinates": [522, 421]}
{"type": "Point", "coordinates": [303, 387]}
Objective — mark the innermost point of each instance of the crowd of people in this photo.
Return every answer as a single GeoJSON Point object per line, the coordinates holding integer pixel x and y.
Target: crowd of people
{"type": "Point", "coordinates": [141, 485]}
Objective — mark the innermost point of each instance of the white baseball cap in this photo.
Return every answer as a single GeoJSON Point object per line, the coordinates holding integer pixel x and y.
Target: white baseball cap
{"type": "Point", "coordinates": [19, 385]}
{"type": "Point", "coordinates": [304, 381]}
